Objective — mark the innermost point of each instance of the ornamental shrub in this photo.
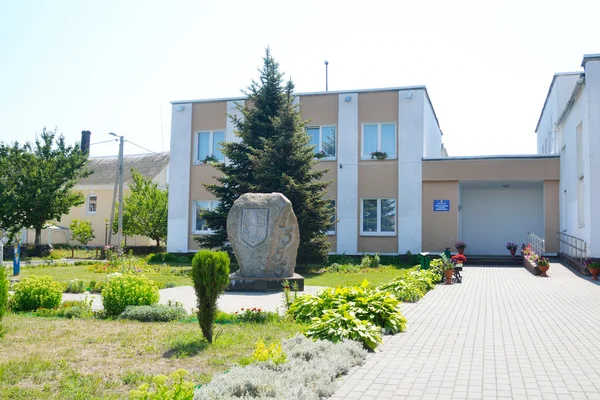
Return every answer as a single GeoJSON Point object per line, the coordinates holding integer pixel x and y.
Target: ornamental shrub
{"type": "Point", "coordinates": [336, 325]}
{"type": "Point", "coordinates": [68, 309]}
{"type": "Point", "coordinates": [35, 292]}
{"type": "Point", "coordinates": [310, 373]}
{"type": "Point", "coordinates": [210, 273]}
{"type": "Point", "coordinates": [154, 313]}
{"type": "Point", "coordinates": [3, 291]}
{"type": "Point", "coordinates": [128, 290]}
{"type": "Point", "coordinates": [273, 352]}
{"type": "Point", "coordinates": [403, 289]}
{"type": "Point", "coordinates": [172, 387]}
{"type": "Point", "coordinates": [370, 261]}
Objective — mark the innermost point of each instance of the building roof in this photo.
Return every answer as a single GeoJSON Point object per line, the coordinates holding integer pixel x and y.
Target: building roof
{"type": "Point", "coordinates": [493, 157]}
{"type": "Point", "coordinates": [550, 91]}
{"type": "Point", "coordinates": [105, 168]}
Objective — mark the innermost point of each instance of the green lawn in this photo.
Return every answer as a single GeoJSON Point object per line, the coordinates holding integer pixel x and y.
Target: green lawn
{"type": "Point", "coordinates": [50, 358]}
{"type": "Point", "coordinates": [375, 276]}
{"type": "Point", "coordinates": [67, 272]}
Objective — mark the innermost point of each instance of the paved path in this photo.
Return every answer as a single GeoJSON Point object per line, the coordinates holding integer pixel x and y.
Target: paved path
{"type": "Point", "coordinates": [502, 333]}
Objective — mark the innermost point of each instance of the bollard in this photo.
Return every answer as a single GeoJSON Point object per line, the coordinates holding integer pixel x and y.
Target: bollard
{"type": "Point", "coordinates": [17, 260]}
{"type": "Point", "coordinates": [425, 260]}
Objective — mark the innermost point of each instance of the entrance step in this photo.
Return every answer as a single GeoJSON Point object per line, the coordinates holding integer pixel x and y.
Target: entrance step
{"type": "Point", "coordinates": [493, 260]}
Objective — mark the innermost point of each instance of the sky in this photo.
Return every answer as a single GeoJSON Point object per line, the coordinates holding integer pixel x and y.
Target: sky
{"type": "Point", "coordinates": [115, 65]}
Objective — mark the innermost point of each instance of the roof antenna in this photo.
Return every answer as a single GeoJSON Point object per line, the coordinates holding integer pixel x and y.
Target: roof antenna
{"type": "Point", "coordinates": [326, 77]}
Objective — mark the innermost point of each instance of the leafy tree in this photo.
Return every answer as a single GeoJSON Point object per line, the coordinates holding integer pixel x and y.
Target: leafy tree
{"type": "Point", "coordinates": [274, 155]}
{"type": "Point", "coordinates": [145, 210]}
{"type": "Point", "coordinates": [39, 186]}
{"type": "Point", "coordinates": [82, 231]}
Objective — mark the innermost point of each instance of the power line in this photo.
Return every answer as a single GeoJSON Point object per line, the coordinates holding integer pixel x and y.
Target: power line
{"type": "Point", "coordinates": [143, 148]}
{"type": "Point", "coordinates": [106, 141]}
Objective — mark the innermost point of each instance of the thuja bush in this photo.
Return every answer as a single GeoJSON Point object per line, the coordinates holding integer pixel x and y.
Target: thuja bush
{"type": "Point", "coordinates": [35, 292]}
{"type": "Point", "coordinates": [154, 313]}
{"type": "Point", "coordinates": [3, 292]}
{"type": "Point", "coordinates": [128, 290]}
{"type": "Point", "coordinates": [309, 374]}
{"type": "Point", "coordinates": [210, 273]}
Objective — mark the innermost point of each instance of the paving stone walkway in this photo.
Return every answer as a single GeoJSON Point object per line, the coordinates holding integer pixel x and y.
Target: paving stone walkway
{"type": "Point", "coordinates": [501, 334]}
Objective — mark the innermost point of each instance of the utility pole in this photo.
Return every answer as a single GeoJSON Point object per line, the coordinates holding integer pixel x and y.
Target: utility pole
{"type": "Point", "coordinates": [119, 182]}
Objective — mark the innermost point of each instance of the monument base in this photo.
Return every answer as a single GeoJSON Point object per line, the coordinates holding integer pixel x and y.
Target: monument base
{"type": "Point", "coordinates": [238, 283]}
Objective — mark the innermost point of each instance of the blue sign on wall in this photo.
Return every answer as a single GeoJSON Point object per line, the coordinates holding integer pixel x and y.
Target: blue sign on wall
{"type": "Point", "coordinates": [441, 205]}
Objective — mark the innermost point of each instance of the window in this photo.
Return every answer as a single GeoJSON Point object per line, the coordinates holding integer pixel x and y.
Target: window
{"type": "Point", "coordinates": [323, 138]}
{"type": "Point", "coordinates": [580, 176]}
{"type": "Point", "coordinates": [208, 144]}
{"type": "Point", "coordinates": [379, 137]}
{"type": "Point", "coordinates": [199, 222]}
{"type": "Point", "coordinates": [331, 205]}
{"type": "Point", "coordinates": [91, 204]}
{"type": "Point", "coordinates": [378, 217]}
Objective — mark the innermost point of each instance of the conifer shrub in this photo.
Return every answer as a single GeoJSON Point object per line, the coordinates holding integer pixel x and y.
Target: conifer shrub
{"type": "Point", "coordinates": [210, 273]}
{"type": "Point", "coordinates": [128, 290]}
{"type": "Point", "coordinates": [35, 292]}
{"type": "Point", "coordinates": [154, 313]}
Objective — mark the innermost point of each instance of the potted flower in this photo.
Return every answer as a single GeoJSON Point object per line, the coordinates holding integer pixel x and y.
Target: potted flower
{"type": "Point", "coordinates": [544, 265]}
{"type": "Point", "coordinates": [460, 246]}
{"type": "Point", "coordinates": [594, 267]}
{"type": "Point", "coordinates": [447, 269]}
{"type": "Point", "coordinates": [320, 154]}
{"type": "Point", "coordinates": [378, 155]}
{"type": "Point", "coordinates": [209, 158]}
{"type": "Point", "coordinates": [512, 247]}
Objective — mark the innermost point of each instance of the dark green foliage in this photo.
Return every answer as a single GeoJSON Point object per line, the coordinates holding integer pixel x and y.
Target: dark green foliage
{"type": "Point", "coordinates": [154, 313]}
{"type": "Point", "coordinates": [274, 155]}
{"type": "Point", "coordinates": [210, 273]}
{"type": "Point", "coordinates": [3, 292]}
{"type": "Point", "coordinates": [169, 258]}
{"type": "Point", "coordinates": [37, 180]}
{"type": "Point", "coordinates": [128, 290]}
{"type": "Point", "coordinates": [35, 292]}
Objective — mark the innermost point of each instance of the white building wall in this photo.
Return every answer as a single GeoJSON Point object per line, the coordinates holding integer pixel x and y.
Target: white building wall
{"type": "Point", "coordinates": [347, 174]}
{"type": "Point", "coordinates": [592, 135]}
{"type": "Point", "coordinates": [432, 135]}
{"type": "Point", "coordinates": [411, 145]}
{"type": "Point", "coordinates": [179, 178]}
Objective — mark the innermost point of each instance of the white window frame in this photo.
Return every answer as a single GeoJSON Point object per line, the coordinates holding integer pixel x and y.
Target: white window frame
{"type": "Point", "coordinates": [212, 205]}
{"type": "Point", "coordinates": [87, 205]}
{"type": "Point", "coordinates": [333, 232]}
{"type": "Point", "coordinates": [320, 146]}
{"type": "Point", "coordinates": [210, 144]}
{"type": "Point", "coordinates": [378, 232]}
{"type": "Point", "coordinates": [362, 139]}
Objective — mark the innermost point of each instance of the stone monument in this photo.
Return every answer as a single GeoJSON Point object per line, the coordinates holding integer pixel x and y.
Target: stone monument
{"type": "Point", "coordinates": [263, 231]}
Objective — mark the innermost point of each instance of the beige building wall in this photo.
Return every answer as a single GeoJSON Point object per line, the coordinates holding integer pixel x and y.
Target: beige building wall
{"type": "Point", "coordinates": [440, 229]}
{"type": "Point", "coordinates": [512, 169]}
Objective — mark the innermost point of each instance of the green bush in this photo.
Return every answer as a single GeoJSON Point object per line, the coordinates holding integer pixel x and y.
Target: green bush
{"type": "Point", "coordinates": [3, 291]}
{"type": "Point", "coordinates": [370, 261]}
{"type": "Point", "coordinates": [75, 286]}
{"type": "Point", "coordinates": [173, 387]}
{"type": "Point", "coordinates": [336, 325]}
{"type": "Point", "coordinates": [256, 315]}
{"type": "Point", "coordinates": [344, 268]}
{"type": "Point", "coordinates": [35, 292]}
{"type": "Point", "coordinates": [128, 290]}
{"type": "Point", "coordinates": [154, 313]}
{"type": "Point", "coordinates": [210, 273]}
{"type": "Point", "coordinates": [403, 289]}
{"type": "Point", "coordinates": [68, 309]}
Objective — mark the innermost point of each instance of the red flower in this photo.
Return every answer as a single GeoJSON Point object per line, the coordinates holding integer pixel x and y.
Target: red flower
{"type": "Point", "coordinates": [459, 258]}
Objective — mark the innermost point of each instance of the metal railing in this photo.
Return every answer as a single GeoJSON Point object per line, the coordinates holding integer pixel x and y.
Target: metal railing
{"type": "Point", "coordinates": [572, 246]}
{"type": "Point", "coordinates": [538, 244]}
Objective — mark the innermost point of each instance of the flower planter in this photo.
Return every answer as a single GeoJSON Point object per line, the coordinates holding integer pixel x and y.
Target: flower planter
{"type": "Point", "coordinates": [595, 272]}
{"type": "Point", "coordinates": [531, 267]}
{"type": "Point", "coordinates": [513, 252]}
{"type": "Point", "coordinates": [543, 271]}
{"type": "Point", "coordinates": [448, 276]}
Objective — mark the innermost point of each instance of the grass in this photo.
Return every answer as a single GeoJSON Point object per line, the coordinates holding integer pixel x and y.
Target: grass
{"type": "Point", "coordinates": [375, 276]}
{"type": "Point", "coordinates": [46, 358]}
{"type": "Point", "coordinates": [67, 272]}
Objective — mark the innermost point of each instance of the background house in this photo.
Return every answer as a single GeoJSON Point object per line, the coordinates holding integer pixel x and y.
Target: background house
{"type": "Point", "coordinates": [98, 190]}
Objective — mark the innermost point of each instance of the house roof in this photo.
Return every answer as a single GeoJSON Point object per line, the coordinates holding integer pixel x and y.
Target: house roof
{"type": "Point", "coordinates": [550, 91]}
{"type": "Point", "coordinates": [105, 168]}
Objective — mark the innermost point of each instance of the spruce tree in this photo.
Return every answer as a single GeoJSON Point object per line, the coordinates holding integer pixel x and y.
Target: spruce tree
{"type": "Point", "coordinates": [274, 155]}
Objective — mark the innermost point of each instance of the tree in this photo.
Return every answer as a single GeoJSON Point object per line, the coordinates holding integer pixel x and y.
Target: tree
{"type": "Point", "coordinates": [82, 231]}
{"type": "Point", "coordinates": [40, 182]}
{"type": "Point", "coordinates": [145, 210]}
{"type": "Point", "coordinates": [274, 155]}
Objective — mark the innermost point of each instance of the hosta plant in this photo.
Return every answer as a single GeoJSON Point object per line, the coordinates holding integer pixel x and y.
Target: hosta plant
{"type": "Point", "coordinates": [336, 325]}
